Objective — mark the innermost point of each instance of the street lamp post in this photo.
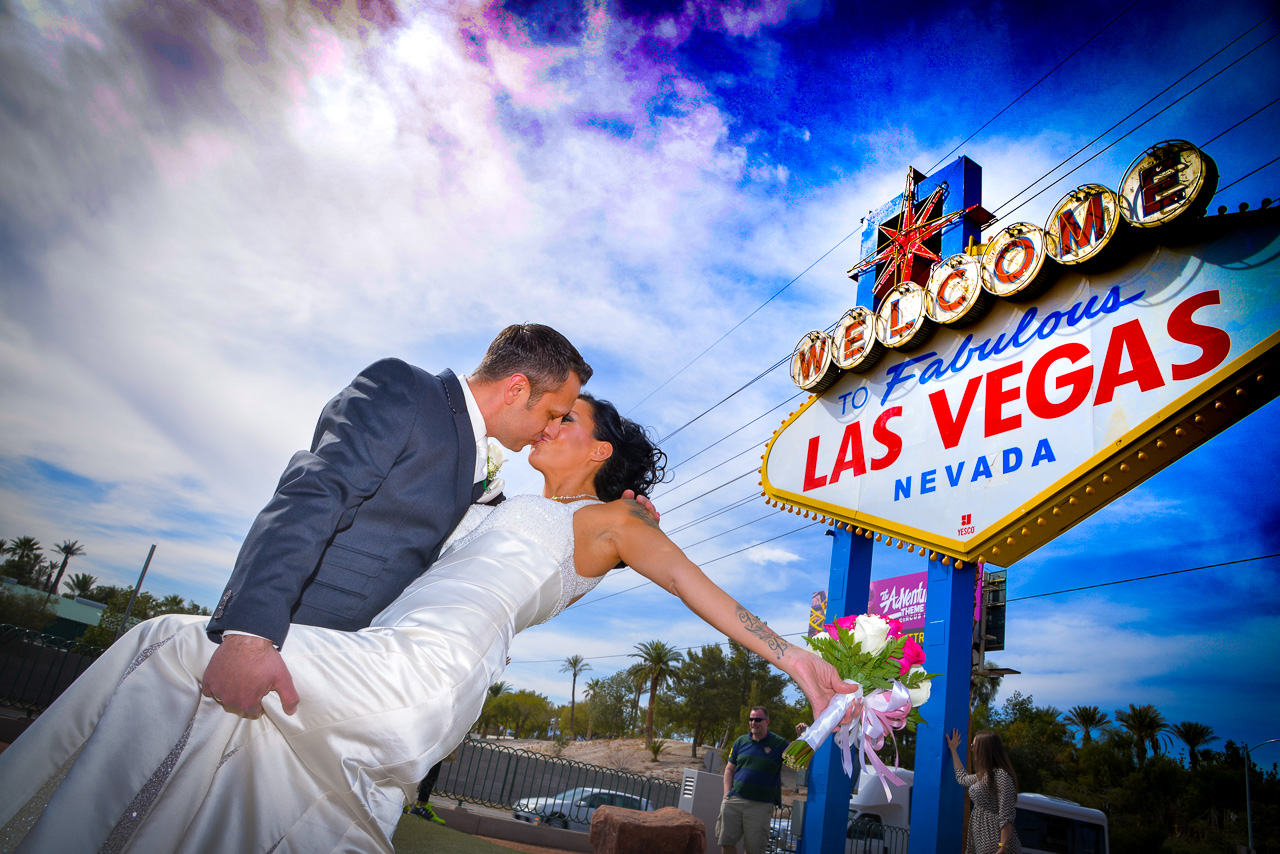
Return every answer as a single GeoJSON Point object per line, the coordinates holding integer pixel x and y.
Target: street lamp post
{"type": "Point", "coordinates": [1248, 810]}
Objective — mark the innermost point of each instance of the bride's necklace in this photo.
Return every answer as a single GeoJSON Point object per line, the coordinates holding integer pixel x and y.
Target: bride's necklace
{"type": "Point", "coordinates": [574, 497]}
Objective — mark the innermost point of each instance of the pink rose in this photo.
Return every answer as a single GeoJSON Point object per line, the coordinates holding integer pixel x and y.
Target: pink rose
{"type": "Point", "coordinates": [912, 655]}
{"type": "Point", "coordinates": [842, 623]}
{"type": "Point", "coordinates": [895, 628]}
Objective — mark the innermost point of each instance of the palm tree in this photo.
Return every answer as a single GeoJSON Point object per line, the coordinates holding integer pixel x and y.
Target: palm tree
{"type": "Point", "coordinates": [1087, 719]}
{"type": "Point", "coordinates": [24, 558]}
{"type": "Point", "coordinates": [496, 690]}
{"type": "Point", "coordinates": [658, 662]}
{"type": "Point", "coordinates": [171, 604]}
{"type": "Point", "coordinates": [81, 584]}
{"type": "Point", "coordinates": [982, 688]}
{"type": "Point", "coordinates": [1194, 736]}
{"type": "Point", "coordinates": [574, 664]}
{"type": "Point", "coordinates": [68, 550]}
{"type": "Point", "coordinates": [1147, 726]}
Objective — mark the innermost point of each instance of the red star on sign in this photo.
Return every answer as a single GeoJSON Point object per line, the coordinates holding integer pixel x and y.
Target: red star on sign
{"type": "Point", "coordinates": [907, 240]}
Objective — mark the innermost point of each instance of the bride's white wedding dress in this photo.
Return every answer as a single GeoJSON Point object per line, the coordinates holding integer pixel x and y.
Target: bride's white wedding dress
{"type": "Point", "coordinates": [132, 758]}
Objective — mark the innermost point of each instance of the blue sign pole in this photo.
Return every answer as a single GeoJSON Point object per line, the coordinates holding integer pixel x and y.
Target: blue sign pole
{"type": "Point", "coordinates": [937, 804]}
{"type": "Point", "coordinates": [826, 817]}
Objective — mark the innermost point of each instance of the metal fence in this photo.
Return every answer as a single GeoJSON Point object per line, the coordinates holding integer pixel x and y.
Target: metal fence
{"type": "Point", "coordinates": [498, 776]}
{"type": "Point", "coordinates": [35, 668]}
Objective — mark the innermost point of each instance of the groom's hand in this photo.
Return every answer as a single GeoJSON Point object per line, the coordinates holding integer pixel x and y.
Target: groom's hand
{"type": "Point", "coordinates": [643, 501]}
{"type": "Point", "coordinates": [243, 670]}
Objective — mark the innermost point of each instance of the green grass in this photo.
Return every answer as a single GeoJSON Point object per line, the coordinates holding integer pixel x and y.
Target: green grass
{"type": "Point", "coordinates": [416, 836]}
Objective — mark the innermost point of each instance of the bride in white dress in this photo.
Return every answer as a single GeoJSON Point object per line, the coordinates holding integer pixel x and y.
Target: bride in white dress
{"type": "Point", "coordinates": [133, 758]}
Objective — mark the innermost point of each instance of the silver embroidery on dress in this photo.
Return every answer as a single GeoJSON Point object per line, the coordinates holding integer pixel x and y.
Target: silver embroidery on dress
{"type": "Point", "coordinates": [226, 756]}
{"type": "Point", "coordinates": [143, 656]}
{"type": "Point", "coordinates": [141, 804]}
{"type": "Point", "coordinates": [12, 834]}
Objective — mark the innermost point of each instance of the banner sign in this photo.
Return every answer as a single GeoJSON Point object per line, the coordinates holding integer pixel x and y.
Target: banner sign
{"type": "Point", "coordinates": [1112, 342]}
{"type": "Point", "coordinates": [817, 612]}
{"type": "Point", "coordinates": [901, 598]}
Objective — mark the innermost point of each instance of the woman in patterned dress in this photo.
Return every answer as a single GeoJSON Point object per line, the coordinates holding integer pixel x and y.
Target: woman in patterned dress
{"type": "Point", "coordinates": [993, 791]}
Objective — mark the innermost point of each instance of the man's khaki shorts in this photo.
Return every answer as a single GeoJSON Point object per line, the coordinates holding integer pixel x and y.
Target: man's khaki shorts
{"type": "Point", "coordinates": [746, 820]}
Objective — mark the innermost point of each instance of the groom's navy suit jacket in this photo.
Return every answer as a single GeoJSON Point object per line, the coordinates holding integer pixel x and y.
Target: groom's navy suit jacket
{"type": "Point", "coordinates": [355, 519]}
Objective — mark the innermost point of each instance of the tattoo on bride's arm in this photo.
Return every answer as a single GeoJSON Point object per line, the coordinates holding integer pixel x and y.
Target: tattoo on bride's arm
{"type": "Point", "coordinates": [757, 627]}
{"type": "Point", "coordinates": [643, 515]}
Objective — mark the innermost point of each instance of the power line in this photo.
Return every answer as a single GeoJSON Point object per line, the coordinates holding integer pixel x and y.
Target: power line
{"type": "Point", "coordinates": [704, 563]}
{"type": "Point", "coordinates": [1027, 91]}
{"type": "Point", "coordinates": [1132, 114]}
{"type": "Point", "coordinates": [736, 432]}
{"type": "Point", "coordinates": [1015, 599]}
{"type": "Point", "coordinates": [1242, 177]}
{"type": "Point", "coordinates": [752, 447]}
{"type": "Point", "coordinates": [1242, 121]}
{"type": "Point", "coordinates": [744, 320]}
{"type": "Point", "coordinates": [1143, 577]}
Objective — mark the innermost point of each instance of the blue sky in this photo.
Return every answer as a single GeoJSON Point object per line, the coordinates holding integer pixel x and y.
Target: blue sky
{"type": "Point", "coordinates": [212, 217]}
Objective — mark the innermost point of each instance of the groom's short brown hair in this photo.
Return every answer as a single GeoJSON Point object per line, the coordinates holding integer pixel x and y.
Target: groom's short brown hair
{"type": "Point", "coordinates": [539, 352]}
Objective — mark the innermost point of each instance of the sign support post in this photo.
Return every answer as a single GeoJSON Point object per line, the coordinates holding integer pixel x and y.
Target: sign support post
{"type": "Point", "coordinates": [937, 804]}
{"type": "Point", "coordinates": [826, 816]}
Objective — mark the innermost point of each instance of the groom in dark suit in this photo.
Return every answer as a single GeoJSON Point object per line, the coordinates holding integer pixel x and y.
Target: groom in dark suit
{"type": "Point", "coordinates": [397, 458]}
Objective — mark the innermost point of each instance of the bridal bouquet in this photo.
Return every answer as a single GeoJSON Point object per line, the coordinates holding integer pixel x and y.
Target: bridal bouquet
{"type": "Point", "coordinates": [888, 668]}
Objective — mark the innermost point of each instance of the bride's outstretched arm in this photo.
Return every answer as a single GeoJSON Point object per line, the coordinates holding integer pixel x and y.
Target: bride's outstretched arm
{"type": "Point", "coordinates": [638, 541]}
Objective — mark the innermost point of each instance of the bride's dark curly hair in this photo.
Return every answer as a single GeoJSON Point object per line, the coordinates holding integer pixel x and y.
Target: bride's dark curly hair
{"type": "Point", "coordinates": [637, 463]}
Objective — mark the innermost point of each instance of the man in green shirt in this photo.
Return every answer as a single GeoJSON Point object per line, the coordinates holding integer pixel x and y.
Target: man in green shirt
{"type": "Point", "coordinates": [752, 786]}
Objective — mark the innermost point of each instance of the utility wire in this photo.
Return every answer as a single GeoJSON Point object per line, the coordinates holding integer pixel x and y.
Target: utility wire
{"type": "Point", "coordinates": [736, 432]}
{"type": "Point", "coordinates": [1242, 177]}
{"type": "Point", "coordinates": [1132, 114]}
{"type": "Point", "coordinates": [734, 506]}
{"type": "Point", "coordinates": [716, 488]}
{"type": "Point", "coordinates": [1027, 91]}
{"type": "Point", "coordinates": [1016, 599]}
{"type": "Point", "coordinates": [1242, 121]}
{"type": "Point", "coordinates": [704, 563]}
{"type": "Point", "coordinates": [1143, 577]}
{"type": "Point", "coordinates": [744, 320]}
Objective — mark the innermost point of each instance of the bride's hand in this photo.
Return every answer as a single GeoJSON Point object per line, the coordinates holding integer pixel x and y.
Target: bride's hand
{"type": "Point", "coordinates": [243, 670]}
{"type": "Point", "coordinates": [821, 682]}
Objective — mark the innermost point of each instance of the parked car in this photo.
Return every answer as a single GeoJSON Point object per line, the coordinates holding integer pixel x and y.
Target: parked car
{"type": "Point", "coordinates": [573, 809]}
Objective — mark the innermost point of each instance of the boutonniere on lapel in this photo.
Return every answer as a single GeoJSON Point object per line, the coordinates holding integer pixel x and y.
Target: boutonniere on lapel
{"type": "Point", "coordinates": [492, 483]}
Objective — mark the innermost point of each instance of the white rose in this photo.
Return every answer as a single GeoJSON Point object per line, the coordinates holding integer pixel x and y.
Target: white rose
{"type": "Point", "coordinates": [871, 633]}
{"type": "Point", "coordinates": [919, 696]}
{"type": "Point", "coordinates": [495, 457]}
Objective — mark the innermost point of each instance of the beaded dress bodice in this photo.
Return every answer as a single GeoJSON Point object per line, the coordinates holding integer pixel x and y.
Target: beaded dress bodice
{"type": "Point", "coordinates": [547, 522]}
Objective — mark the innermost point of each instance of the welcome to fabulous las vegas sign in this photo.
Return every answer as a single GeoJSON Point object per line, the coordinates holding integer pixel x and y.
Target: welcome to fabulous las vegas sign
{"type": "Point", "coordinates": [1025, 386]}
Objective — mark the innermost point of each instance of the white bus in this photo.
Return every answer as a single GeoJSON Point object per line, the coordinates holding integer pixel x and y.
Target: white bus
{"type": "Point", "coordinates": [1048, 825]}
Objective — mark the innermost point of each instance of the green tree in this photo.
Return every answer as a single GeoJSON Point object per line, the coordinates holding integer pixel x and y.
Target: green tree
{"type": "Point", "coordinates": [983, 688]}
{"type": "Point", "coordinates": [1087, 719]}
{"type": "Point", "coordinates": [496, 690]}
{"type": "Point", "coordinates": [68, 550]}
{"type": "Point", "coordinates": [80, 584]}
{"type": "Point", "coordinates": [658, 663]}
{"type": "Point", "coordinates": [576, 665]}
{"type": "Point", "coordinates": [1146, 725]}
{"type": "Point", "coordinates": [607, 702]}
{"type": "Point", "coordinates": [25, 559]}
{"type": "Point", "coordinates": [104, 634]}
{"type": "Point", "coordinates": [522, 711]}
{"type": "Point", "coordinates": [705, 696]}
{"type": "Point", "coordinates": [1038, 741]}
{"type": "Point", "coordinates": [25, 609]}
{"type": "Point", "coordinates": [1194, 736]}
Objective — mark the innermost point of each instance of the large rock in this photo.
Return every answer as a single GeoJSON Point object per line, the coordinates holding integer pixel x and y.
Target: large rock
{"type": "Point", "coordinates": [615, 830]}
